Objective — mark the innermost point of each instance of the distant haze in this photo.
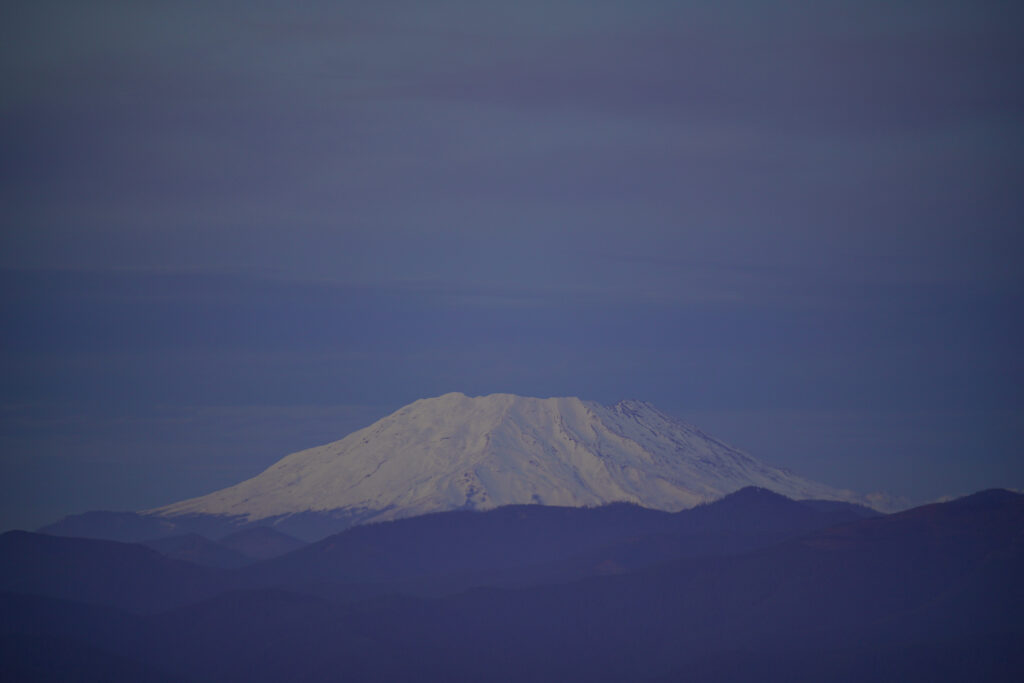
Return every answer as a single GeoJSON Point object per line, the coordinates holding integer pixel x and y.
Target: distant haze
{"type": "Point", "coordinates": [231, 232]}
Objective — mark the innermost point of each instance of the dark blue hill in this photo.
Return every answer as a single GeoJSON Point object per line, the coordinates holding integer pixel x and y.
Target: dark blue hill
{"type": "Point", "coordinates": [198, 550]}
{"type": "Point", "coordinates": [530, 544]}
{"type": "Point", "coordinates": [124, 575]}
{"type": "Point", "coordinates": [925, 595]}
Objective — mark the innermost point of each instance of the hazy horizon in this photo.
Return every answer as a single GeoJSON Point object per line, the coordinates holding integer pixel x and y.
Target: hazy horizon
{"type": "Point", "coordinates": [233, 233]}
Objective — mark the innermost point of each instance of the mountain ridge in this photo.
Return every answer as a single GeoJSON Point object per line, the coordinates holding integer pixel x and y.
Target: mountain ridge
{"type": "Point", "coordinates": [929, 594]}
{"type": "Point", "coordinates": [455, 451]}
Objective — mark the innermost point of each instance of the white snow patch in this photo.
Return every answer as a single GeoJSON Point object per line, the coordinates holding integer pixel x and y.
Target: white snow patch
{"type": "Point", "coordinates": [455, 451]}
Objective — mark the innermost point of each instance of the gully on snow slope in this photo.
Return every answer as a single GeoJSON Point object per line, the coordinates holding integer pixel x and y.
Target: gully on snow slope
{"type": "Point", "coordinates": [455, 451]}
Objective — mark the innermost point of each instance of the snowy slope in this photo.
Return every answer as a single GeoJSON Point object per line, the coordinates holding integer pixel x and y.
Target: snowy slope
{"type": "Point", "coordinates": [455, 451]}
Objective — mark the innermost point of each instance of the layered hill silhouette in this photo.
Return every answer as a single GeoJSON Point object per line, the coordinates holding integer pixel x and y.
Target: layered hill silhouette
{"type": "Point", "coordinates": [753, 587]}
{"type": "Point", "coordinates": [241, 548]}
{"type": "Point", "coordinates": [529, 544]}
{"type": "Point", "coordinates": [429, 555]}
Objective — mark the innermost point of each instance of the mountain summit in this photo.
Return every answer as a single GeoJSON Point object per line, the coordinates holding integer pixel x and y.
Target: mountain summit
{"type": "Point", "coordinates": [460, 452]}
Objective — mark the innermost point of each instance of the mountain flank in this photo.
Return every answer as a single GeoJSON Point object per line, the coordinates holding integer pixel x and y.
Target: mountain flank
{"type": "Point", "coordinates": [456, 452]}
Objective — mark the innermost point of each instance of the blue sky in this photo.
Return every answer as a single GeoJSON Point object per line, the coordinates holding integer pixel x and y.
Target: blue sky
{"type": "Point", "coordinates": [231, 231]}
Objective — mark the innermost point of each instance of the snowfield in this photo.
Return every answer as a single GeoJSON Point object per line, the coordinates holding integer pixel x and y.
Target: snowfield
{"type": "Point", "coordinates": [456, 451]}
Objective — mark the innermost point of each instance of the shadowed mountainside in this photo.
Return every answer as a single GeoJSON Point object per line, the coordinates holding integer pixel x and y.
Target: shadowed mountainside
{"type": "Point", "coordinates": [123, 575]}
{"type": "Point", "coordinates": [931, 594]}
{"type": "Point", "coordinates": [261, 542]}
{"type": "Point", "coordinates": [247, 546]}
{"type": "Point", "coordinates": [529, 544]}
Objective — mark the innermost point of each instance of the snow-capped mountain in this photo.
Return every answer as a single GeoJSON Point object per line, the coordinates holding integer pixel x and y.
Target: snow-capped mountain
{"type": "Point", "coordinates": [456, 451]}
